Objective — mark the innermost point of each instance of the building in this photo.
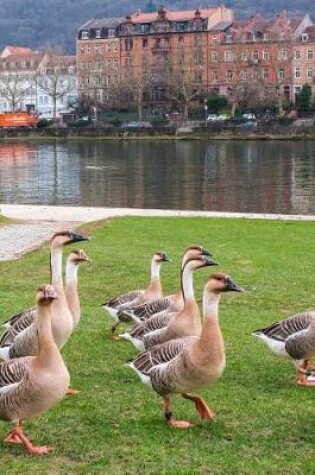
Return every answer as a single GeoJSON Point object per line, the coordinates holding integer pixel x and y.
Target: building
{"type": "Point", "coordinates": [44, 82]}
{"type": "Point", "coordinates": [173, 59]}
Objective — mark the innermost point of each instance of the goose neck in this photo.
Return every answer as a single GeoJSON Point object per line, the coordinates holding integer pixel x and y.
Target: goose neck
{"type": "Point", "coordinates": [56, 266]}
{"type": "Point", "coordinates": [187, 283]}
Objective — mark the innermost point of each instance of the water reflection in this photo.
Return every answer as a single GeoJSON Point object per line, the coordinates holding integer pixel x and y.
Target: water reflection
{"type": "Point", "coordinates": [241, 176]}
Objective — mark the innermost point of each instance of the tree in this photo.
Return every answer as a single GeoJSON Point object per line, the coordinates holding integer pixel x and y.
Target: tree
{"type": "Point", "coordinates": [304, 99]}
{"type": "Point", "coordinates": [216, 103]}
{"type": "Point", "coordinates": [185, 80]}
{"type": "Point", "coordinates": [57, 77]}
{"type": "Point", "coordinates": [14, 87]}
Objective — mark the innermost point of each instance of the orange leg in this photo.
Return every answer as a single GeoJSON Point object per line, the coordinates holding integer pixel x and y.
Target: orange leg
{"type": "Point", "coordinates": [303, 381]}
{"type": "Point", "coordinates": [170, 420]}
{"type": "Point", "coordinates": [201, 406]}
{"type": "Point", "coordinates": [17, 436]}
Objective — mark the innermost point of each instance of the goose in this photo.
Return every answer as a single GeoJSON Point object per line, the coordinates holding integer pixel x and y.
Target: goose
{"type": "Point", "coordinates": [293, 337]}
{"type": "Point", "coordinates": [76, 257]}
{"type": "Point", "coordinates": [136, 297]}
{"type": "Point", "coordinates": [182, 365]}
{"type": "Point", "coordinates": [171, 303]}
{"type": "Point", "coordinates": [170, 325]}
{"type": "Point", "coordinates": [15, 344]}
{"type": "Point", "coordinates": [33, 384]}
{"type": "Point", "coordinates": [20, 321]}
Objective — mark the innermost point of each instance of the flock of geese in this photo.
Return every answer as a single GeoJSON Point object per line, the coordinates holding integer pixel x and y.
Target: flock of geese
{"type": "Point", "coordinates": [179, 351]}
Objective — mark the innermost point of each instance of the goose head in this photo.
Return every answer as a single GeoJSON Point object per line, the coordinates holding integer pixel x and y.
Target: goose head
{"type": "Point", "coordinates": [221, 282]}
{"type": "Point", "coordinates": [194, 251]}
{"type": "Point", "coordinates": [198, 262]}
{"type": "Point", "coordinates": [63, 238]}
{"type": "Point", "coordinates": [77, 256]}
{"type": "Point", "coordinates": [160, 256]}
{"type": "Point", "coordinates": [46, 294]}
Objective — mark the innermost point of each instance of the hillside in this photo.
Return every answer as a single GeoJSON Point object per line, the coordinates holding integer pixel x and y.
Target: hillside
{"type": "Point", "coordinates": [37, 24]}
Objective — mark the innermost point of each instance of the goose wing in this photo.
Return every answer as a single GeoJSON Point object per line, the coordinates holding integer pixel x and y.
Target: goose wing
{"type": "Point", "coordinates": [154, 323]}
{"type": "Point", "coordinates": [286, 328]}
{"type": "Point", "coordinates": [13, 371]}
{"type": "Point", "coordinates": [147, 310]}
{"type": "Point", "coordinates": [123, 300]}
{"type": "Point", "coordinates": [21, 320]}
{"type": "Point", "coordinates": [160, 354]}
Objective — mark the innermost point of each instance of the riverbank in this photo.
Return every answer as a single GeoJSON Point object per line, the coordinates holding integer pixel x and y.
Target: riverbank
{"type": "Point", "coordinates": [180, 132]}
{"type": "Point", "coordinates": [34, 225]}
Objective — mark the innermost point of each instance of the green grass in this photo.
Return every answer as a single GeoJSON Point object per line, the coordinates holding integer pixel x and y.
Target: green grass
{"type": "Point", "coordinates": [264, 423]}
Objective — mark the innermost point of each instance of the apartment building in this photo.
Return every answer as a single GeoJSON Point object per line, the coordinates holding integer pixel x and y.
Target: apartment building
{"type": "Point", "coordinates": [39, 81]}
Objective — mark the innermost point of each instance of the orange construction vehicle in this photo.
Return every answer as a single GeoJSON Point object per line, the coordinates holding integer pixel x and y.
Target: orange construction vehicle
{"type": "Point", "coordinates": [18, 119]}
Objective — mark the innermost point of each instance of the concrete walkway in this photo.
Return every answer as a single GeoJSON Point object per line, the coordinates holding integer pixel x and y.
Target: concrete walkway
{"type": "Point", "coordinates": [37, 223]}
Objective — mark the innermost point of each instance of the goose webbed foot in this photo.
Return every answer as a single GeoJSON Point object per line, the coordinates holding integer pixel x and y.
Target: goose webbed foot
{"type": "Point", "coordinates": [170, 419]}
{"type": "Point", "coordinates": [201, 406]}
{"type": "Point", "coordinates": [306, 380]}
{"type": "Point", "coordinates": [17, 436]}
{"type": "Point", "coordinates": [72, 392]}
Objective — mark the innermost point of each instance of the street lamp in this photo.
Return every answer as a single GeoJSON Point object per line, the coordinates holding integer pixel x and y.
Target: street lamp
{"type": "Point", "coordinates": [206, 111]}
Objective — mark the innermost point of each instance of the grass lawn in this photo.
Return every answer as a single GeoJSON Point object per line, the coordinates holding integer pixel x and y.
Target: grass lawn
{"type": "Point", "coordinates": [264, 422]}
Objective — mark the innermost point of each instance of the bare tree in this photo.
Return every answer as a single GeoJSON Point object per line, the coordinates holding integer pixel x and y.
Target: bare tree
{"type": "Point", "coordinates": [55, 78]}
{"type": "Point", "coordinates": [136, 83]}
{"type": "Point", "coordinates": [14, 86]}
{"type": "Point", "coordinates": [185, 80]}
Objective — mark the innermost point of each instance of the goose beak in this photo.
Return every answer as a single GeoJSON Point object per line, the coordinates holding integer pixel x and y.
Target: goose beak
{"type": "Point", "coordinates": [205, 252]}
{"type": "Point", "coordinates": [231, 286]}
{"type": "Point", "coordinates": [76, 237]}
{"type": "Point", "coordinates": [210, 262]}
{"type": "Point", "coordinates": [165, 258]}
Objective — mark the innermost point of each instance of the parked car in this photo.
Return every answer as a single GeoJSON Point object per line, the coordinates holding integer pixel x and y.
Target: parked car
{"type": "Point", "coordinates": [249, 116]}
{"type": "Point", "coordinates": [213, 118]}
{"type": "Point", "coordinates": [138, 125]}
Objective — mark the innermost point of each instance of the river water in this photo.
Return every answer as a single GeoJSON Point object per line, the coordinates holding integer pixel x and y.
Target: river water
{"type": "Point", "coordinates": [240, 176]}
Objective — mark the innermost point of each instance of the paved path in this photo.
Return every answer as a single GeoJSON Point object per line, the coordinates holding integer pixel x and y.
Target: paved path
{"type": "Point", "coordinates": [37, 223]}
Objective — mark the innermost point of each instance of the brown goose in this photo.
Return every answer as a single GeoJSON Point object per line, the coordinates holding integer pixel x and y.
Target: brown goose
{"type": "Point", "coordinates": [116, 305]}
{"type": "Point", "coordinates": [15, 344]}
{"type": "Point", "coordinates": [169, 325]}
{"type": "Point", "coordinates": [33, 384]}
{"type": "Point", "coordinates": [19, 322]}
{"type": "Point", "coordinates": [293, 337]}
{"type": "Point", "coordinates": [171, 303]}
{"type": "Point", "coordinates": [184, 364]}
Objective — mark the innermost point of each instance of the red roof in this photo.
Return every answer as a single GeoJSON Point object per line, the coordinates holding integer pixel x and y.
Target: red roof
{"type": "Point", "coordinates": [18, 50]}
{"type": "Point", "coordinates": [180, 15]}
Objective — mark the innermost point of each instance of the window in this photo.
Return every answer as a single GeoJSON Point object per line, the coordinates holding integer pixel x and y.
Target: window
{"type": "Point", "coordinates": [214, 75]}
{"type": "Point", "coordinates": [309, 72]}
{"type": "Point", "coordinates": [214, 56]}
{"type": "Point", "coordinates": [304, 37]}
{"type": "Point", "coordinates": [111, 32]}
{"type": "Point", "coordinates": [265, 54]}
{"type": "Point", "coordinates": [85, 35]}
{"type": "Point", "coordinates": [244, 74]}
{"type": "Point", "coordinates": [281, 73]}
{"type": "Point", "coordinates": [310, 54]}
{"type": "Point", "coordinates": [244, 55]}
{"type": "Point", "coordinates": [255, 56]}
{"type": "Point", "coordinates": [98, 33]}
{"type": "Point", "coordinates": [82, 49]}
{"type": "Point", "coordinates": [144, 43]}
{"type": "Point", "coordinates": [229, 75]}
{"type": "Point", "coordinates": [228, 55]}
{"type": "Point", "coordinates": [181, 40]}
{"type": "Point", "coordinates": [266, 73]}
{"type": "Point", "coordinates": [297, 73]}
{"type": "Point", "coordinates": [297, 54]}
{"type": "Point", "coordinates": [282, 54]}
{"type": "Point", "coordinates": [214, 38]}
